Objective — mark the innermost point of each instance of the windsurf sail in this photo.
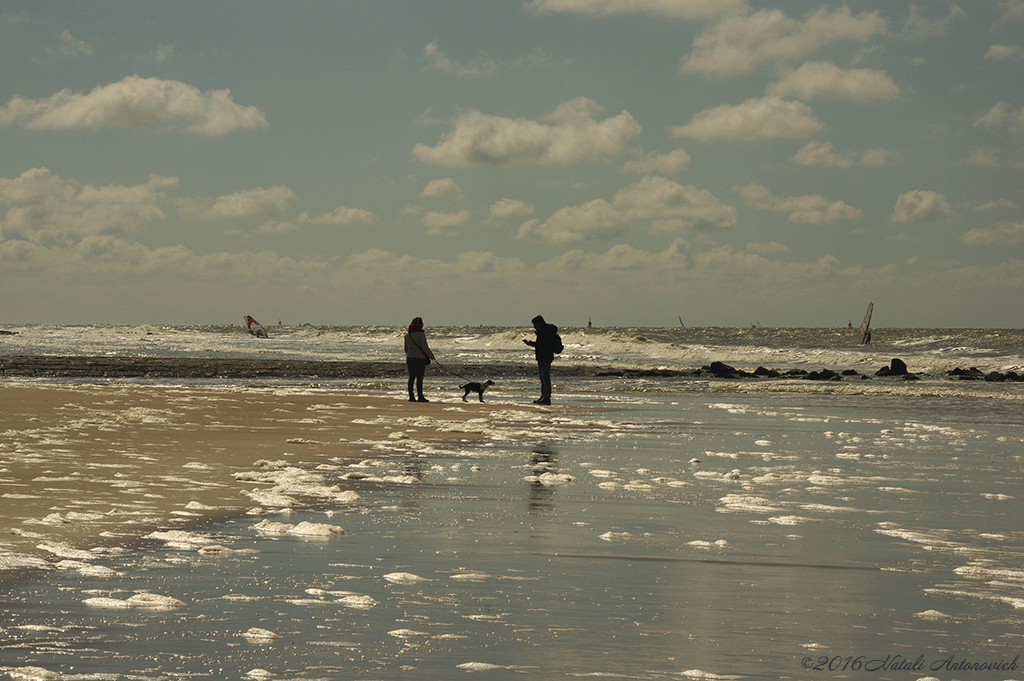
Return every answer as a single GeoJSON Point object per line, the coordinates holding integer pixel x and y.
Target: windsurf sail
{"type": "Point", "coordinates": [255, 328]}
{"type": "Point", "coordinates": [865, 326]}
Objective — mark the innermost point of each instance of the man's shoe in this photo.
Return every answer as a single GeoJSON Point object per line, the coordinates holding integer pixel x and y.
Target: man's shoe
{"type": "Point", "coordinates": [422, 399]}
{"type": "Point", "coordinates": [542, 401]}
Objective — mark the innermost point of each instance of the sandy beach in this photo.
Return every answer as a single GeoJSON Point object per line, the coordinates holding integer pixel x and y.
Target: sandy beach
{"type": "Point", "coordinates": [89, 466]}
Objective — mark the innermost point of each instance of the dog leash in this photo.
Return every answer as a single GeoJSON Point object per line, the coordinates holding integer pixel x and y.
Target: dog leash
{"type": "Point", "coordinates": [439, 365]}
{"type": "Point", "coordinates": [454, 373]}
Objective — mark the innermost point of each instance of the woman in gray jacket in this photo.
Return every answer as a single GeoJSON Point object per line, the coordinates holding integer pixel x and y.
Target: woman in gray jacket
{"type": "Point", "coordinates": [417, 357]}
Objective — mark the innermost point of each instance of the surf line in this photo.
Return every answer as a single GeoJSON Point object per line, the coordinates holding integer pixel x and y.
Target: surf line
{"type": "Point", "coordinates": [712, 561]}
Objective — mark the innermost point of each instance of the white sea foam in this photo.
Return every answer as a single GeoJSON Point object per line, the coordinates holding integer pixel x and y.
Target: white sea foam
{"type": "Point", "coordinates": [15, 561]}
{"type": "Point", "coordinates": [180, 539]}
{"type": "Point", "coordinates": [142, 601]}
{"type": "Point", "coordinates": [404, 578]}
{"type": "Point", "coordinates": [357, 601]}
{"type": "Point", "coordinates": [34, 674]}
{"type": "Point", "coordinates": [87, 569]}
{"type": "Point", "coordinates": [258, 635]}
{"type": "Point", "coordinates": [549, 479]}
{"type": "Point", "coordinates": [932, 615]}
{"type": "Point", "coordinates": [302, 529]}
{"type": "Point", "coordinates": [746, 503]}
{"type": "Point", "coordinates": [407, 633]}
{"type": "Point", "coordinates": [65, 550]}
{"type": "Point", "coordinates": [480, 666]}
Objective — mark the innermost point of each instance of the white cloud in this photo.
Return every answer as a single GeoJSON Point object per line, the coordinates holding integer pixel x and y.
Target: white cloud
{"type": "Point", "coordinates": [739, 43]}
{"type": "Point", "coordinates": [878, 157]}
{"type": "Point", "coordinates": [920, 206]}
{"type": "Point", "coordinates": [439, 62]}
{"type": "Point", "coordinates": [341, 215]}
{"type": "Point", "coordinates": [615, 266]}
{"type": "Point", "coordinates": [508, 208]}
{"type": "Point", "coordinates": [8, 19]}
{"type": "Point", "coordinates": [996, 204]}
{"type": "Point", "coordinates": [824, 79]}
{"type": "Point", "coordinates": [106, 261]}
{"type": "Point", "coordinates": [754, 119]}
{"type": "Point", "coordinates": [135, 102]}
{"type": "Point", "coordinates": [250, 203]}
{"type": "Point", "coordinates": [70, 47]}
{"type": "Point", "coordinates": [1005, 53]}
{"type": "Point", "coordinates": [442, 189]}
{"type": "Point", "coordinates": [376, 266]}
{"type": "Point", "coordinates": [440, 221]}
{"type": "Point", "coordinates": [162, 53]}
{"type": "Point", "coordinates": [1010, 11]}
{"type": "Point", "coordinates": [811, 209]}
{"type": "Point", "coordinates": [773, 247]}
{"type": "Point", "coordinates": [534, 59]}
{"type": "Point", "coordinates": [919, 27]}
{"type": "Point", "coordinates": [1001, 115]}
{"type": "Point", "coordinates": [663, 204]}
{"type": "Point", "coordinates": [46, 209]}
{"type": "Point", "coordinates": [823, 155]}
{"type": "Point", "coordinates": [278, 227]}
{"type": "Point", "coordinates": [1005, 234]}
{"type": "Point", "coordinates": [676, 9]}
{"type": "Point", "coordinates": [672, 206]}
{"type": "Point", "coordinates": [568, 135]}
{"type": "Point", "coordinates": [987, 157]}
{"type": "Point", "coordinates": [672, 163]}
{"type": "Point", "coordinates": [596, 219]}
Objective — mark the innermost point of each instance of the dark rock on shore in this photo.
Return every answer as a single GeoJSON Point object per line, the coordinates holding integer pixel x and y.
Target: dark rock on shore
{"type": "Point", "coordinates": [972, 374]}
{"type": "Point", "coordinates": [248, 368]}
{"type": "Point", "coordinates": [236, 368]}
{"type": "Point", "coordinates": [723, 370]}
{"type": "Point", "coordinates": [823, 375]}
{"type": "Point", "coordinates": [897, 367]}
{"type": "Point", "coordinates": [976, 374]}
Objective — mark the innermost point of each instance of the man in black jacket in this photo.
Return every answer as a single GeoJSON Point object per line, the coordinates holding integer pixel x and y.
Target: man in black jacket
{"type": "Point", "coordinates": [547, 345]}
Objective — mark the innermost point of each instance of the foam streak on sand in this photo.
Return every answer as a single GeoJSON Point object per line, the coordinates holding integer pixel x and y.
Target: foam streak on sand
{"type": "Point", "coordinates": [88, 468]}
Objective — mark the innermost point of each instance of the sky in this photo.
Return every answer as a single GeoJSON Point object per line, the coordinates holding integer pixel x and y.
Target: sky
{"type": "Point", "coordinates": [622, 162]}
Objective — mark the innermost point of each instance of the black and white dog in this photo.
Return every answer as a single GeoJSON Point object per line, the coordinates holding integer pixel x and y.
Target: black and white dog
{"type": "Point", "coordinates": [477, 388]}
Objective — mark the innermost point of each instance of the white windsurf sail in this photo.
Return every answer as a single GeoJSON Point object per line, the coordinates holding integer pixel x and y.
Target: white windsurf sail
{"type": "Point", "coordinates": [255, 328]}
{"type": "Point", "coordinates": [865, 326]}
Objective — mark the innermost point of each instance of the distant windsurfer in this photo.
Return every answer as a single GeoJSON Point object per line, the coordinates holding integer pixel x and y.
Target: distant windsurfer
{"type": "Point", "coordinates": [417, 357]}
{"type": "Point", "coordinates": [865, 326]}
{"type": "Point", "coordinates": [255, 328]}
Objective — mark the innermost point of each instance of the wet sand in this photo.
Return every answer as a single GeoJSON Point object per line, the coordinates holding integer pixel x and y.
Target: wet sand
{"type": "Point", "coordinates": [88, 466]}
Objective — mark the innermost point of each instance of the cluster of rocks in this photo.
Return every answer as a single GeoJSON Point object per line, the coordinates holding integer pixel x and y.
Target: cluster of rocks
{"type": "Point", "coordinates": [975, 374]}
{"type": "Point", "coordinates": [233, 368]}
{"type": "Point", "coordinates": [897, 367]}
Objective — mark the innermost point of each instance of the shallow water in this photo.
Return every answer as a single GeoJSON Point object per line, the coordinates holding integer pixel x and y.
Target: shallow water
{"type": "Point", "coordinates": [924, 350]}
{"type": "Point", "coordinates": [662, 534]}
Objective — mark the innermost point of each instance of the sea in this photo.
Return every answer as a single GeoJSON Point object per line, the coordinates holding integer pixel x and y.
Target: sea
{"type": "Point", "coordinates": [649, 524]}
